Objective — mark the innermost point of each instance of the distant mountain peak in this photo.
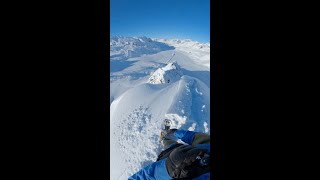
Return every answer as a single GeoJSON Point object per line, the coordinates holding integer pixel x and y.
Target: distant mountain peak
{"type": "Point", "coordinates": [128, 47]}
{"type": "Point", "coordinates": [185, 43]}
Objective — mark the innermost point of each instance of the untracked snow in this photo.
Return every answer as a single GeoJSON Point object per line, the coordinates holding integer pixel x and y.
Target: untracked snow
{"type": "Point", "coordinates": [145, 90]}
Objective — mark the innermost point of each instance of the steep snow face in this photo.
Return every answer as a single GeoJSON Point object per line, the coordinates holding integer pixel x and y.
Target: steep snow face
{"type": "Point", "coordinates": [140, 101]}
{"type": "Point", "coordinates": [168, 74]}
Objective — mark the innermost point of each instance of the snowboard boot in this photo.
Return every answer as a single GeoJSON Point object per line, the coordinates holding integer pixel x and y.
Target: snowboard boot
{"type": "Point", "coordinates": [166, 135]}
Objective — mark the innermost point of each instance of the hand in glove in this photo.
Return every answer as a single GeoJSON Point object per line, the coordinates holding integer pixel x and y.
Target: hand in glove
{"type": "Point", "coordinates": [181, 162]}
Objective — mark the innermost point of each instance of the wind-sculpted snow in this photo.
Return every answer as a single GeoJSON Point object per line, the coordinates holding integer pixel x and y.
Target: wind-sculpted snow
{"type": "Point", "coordinates": [141, 98]}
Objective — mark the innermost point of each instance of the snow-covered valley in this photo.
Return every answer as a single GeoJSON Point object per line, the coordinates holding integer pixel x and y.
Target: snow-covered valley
{"type": "Point", "coordinates": [145, 89]}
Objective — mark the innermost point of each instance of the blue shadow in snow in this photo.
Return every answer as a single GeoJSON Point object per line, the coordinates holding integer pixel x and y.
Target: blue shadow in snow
{"type": "Point", "coordinates": [119, 65]}
{"type": "Point", "coordinates": [204, 76]}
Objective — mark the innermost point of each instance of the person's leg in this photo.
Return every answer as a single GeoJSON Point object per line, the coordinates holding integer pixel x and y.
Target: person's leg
{"type": "Point", "coordinates": [200, 138]}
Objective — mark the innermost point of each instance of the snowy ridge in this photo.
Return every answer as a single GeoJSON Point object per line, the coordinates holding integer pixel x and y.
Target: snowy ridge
{"type": "Point", "coordinates": [168, 74]}
{"type": "Point", "coordinates": [141, 97]}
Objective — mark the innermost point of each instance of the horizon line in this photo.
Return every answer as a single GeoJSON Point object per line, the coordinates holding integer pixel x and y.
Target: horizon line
{"type": "Point", "coordinates": [174, 38]}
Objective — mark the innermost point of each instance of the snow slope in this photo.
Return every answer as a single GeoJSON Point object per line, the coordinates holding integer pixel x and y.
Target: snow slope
{"type": "Point", "coordinates": [141, 97]}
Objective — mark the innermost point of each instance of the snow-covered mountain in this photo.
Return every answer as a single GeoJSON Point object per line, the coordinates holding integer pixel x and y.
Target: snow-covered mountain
{"type": "Point", "coordinates": [125, 47]}
{"type": "Point", "coordinates": [187, 43]}
{"type": "Point", "coordinates": [146, 89]}
{"type": "Point", "coordinates": [194, 49]}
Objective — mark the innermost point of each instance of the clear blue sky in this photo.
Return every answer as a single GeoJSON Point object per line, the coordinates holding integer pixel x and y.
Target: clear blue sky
{"type": "Point", "coordinates": [185, 19]}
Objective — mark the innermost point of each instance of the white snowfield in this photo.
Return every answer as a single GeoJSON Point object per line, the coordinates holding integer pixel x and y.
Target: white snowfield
{"type": "Point", "coordinates": [145, 90]}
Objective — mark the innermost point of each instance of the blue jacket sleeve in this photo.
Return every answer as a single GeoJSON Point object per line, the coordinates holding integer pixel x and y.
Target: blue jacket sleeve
{"type": "Point", "coordinates": [185, 136]}
{"type": "Point", "coordinates": [155, 171]}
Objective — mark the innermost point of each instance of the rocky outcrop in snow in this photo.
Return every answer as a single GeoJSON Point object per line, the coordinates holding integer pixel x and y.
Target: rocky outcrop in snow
{"type": "Point", "coordinates": [168, 74]}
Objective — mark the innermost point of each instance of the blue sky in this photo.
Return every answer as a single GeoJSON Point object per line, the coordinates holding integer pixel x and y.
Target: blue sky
{"type": "Point", "coordinates": [184, 19]}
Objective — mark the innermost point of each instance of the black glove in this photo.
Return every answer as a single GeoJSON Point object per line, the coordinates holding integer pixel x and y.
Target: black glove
{"type": "Point", "coordinates": [181, 162]}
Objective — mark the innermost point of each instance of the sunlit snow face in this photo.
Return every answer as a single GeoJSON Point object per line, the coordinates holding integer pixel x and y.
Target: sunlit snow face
{"type": "Point", "coordinates": [168, 74]}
